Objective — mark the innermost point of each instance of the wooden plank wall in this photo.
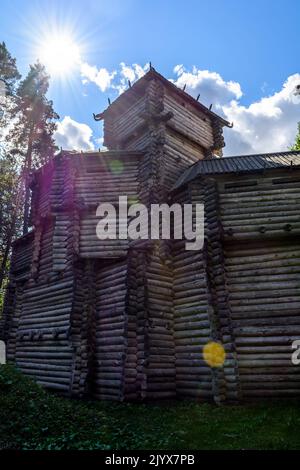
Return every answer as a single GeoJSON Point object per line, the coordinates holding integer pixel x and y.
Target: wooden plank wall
{"type": "Point", "coordinates": [12, 315]}
{"type": "Point", "coordinates": [22, 257]}
{"type": "Point", "coordinates": [123, 125]}
{"type": "Point", "coordinates": [261, 206]}
{"type": "Point", "coordinates": [43, 349]}
{"type": "Point", "coordinates": [225, 379]}
{"type": "Point", "coordinates": [20, 268]}
{"type": "Point", "coordinates": [189, 122]}
{"type": "Point", "coordinates": [110, 331]}
{"type": "Point", "coordinates": [180, 153]}
{"type": "Point", "coordinates": [260, 218]}
{"type": "Point", "coordinates": [192, 328]}
{"type": "Point", "coordinates": [82, 325]}
{"type": "Point", "coordinates": [135, 377]}
{"type": "Point", "coordinates": [160, 363]}
{"type": "Point", "coordinates": [252, 269]}
{"type": "Point", "coordinates": [263, 283]}
{"type": "Point", "coordinates": [91, 247]}
{"type": "Point", "coordinates": [102, 179]}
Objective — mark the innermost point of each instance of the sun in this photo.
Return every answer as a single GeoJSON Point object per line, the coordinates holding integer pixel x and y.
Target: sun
{"type": "Point", "coordinates": [60, 54]}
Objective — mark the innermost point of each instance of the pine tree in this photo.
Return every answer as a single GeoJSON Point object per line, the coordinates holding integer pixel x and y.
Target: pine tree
{"type": "Point", "coordinates": [32, 134]}
{"type": "Point", "coordinates": [9, 74]}
{"type": "Point", "coordinates": [9, 180]}
{"type": "Point", "coordinates": [28, 144]}
{"type": "Point", "coordinates": [296, 145]}
{"type": "Point", "coordinates": [10, 205]}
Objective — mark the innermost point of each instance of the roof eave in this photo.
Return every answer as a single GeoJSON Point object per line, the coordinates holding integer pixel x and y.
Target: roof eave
{"type": "Point", "coordinates": [190, 175]}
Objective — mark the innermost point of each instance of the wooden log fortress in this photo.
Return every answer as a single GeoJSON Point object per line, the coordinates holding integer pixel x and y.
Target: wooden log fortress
{"type": "Point", "coordinates": [124, 320]}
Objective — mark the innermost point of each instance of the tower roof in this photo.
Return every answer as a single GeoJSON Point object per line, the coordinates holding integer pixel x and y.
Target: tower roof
{"type": "Point", "coordinates": [138, 88]}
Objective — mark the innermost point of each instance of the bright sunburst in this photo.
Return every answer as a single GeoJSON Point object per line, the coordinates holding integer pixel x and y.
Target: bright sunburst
{"type": "Point", "coordinates": [60, 54]}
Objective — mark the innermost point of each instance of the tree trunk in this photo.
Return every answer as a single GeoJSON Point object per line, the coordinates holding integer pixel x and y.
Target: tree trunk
{"type": "Point", "coordinates": [11, 232]}
{"type": "Point", "coordinates": [27, 165]}
{"type": "Point", "coordinates": [7, 248]}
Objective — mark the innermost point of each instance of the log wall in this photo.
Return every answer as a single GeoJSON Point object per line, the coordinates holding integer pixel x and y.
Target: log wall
{"type": "Point", "coordinates": [192, 124]}
{"type": "Point", "coordinates": [135, 377]}
{"type": "Point", "coordinates": [160, 350]}
{"type": "Point", "coordinates": [261, 207]}
{"type": "Point", "coordinates": [253, 269]}
{"type": "Point", "coordinates": [260, 218]}
{"type": "Point", "coordinates": [263, 284]}
{"type": "Point", "coordinates": [110, 331]}
{"type": "Point", "coordinates": [192, 326]}
{"type": "Point", "coordinates": [43, 349]}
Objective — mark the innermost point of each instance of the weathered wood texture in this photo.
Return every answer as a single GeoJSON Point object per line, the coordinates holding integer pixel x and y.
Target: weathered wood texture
{"type": "Point", "coordinates": [192, 325]}
{"type": "Point", "coordinates": [261, 207]}
{"type": "Point", "coordinates": [41, 343]}
{"type": "Point", "coordinates": [263, 285]}
{"type": "Point", "coordinates": [225, 379]}
{"type": "Point", "coordinates": [110, 331]}
{"type": "Point", "coordinates": [259, 216]}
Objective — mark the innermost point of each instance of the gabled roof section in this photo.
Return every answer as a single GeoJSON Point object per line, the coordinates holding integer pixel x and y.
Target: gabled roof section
{"type": "Point", "coordinates": [137, 90]}
{"type": "Point", "coordinates": [239, 164]}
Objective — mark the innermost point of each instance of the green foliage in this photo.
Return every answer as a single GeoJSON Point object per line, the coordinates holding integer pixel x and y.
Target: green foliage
{"type": "Point", "coordinates": [10, 216]}
{"type": "Point", "coordinates": [296, 145]}
{"type": "Point", "coordinates": [9, 77]}
{"type": "Point", "coordinates": [31, 418]}
{"type": "Point", "coordinates": [9, 183]}
{"type": "Point", "coordinates": [32, 133]}
{"type": "Point", "coordinates": [8, 69]}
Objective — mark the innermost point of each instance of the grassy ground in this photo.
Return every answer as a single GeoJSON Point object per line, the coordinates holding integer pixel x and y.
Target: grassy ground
{"type": "Point", "coordinates": [31, 418]}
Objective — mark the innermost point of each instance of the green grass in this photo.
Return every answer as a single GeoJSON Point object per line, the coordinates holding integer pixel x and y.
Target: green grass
{"type": "Point", "coordinates": [31, 418]}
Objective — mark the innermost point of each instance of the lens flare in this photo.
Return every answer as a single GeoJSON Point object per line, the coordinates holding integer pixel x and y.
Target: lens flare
{"type": "Point", "coordinates": [116, 167]}
{"type": "Point", "coordinates": [133, 200]}
{"type": "Point", "coordinates": [214, 354]}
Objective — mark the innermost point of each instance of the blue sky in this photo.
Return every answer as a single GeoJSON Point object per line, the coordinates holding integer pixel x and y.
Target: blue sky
{"type": "Point", "coordinates": [242, 56]}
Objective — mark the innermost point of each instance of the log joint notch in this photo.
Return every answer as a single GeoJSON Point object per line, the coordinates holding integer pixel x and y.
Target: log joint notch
{"type": "Point", "coordinates": [225, 379]}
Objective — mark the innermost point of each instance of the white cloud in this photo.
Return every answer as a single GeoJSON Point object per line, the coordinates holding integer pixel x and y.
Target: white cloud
{"type": "Point", "coordinates": [116, 80]}
{"type": "Point", "coordinates": [101, 77]}
{"type": "Point", "coordinates": [73, 135]}
{"type": "Point", "coordinates": [99, 143]}
{"type": "Point", "coordinates": [211, 86]}
{"type": "Point", "coordinates": [130, 72]}
{"type": "Point", "coordinates": [267, 125]}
